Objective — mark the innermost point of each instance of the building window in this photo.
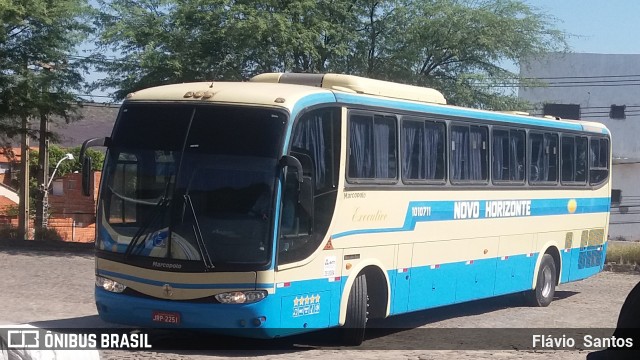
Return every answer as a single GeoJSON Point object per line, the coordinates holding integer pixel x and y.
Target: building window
{"type": "Point", "coordinates": [618, 112]}
{"type": "Point", "coordinates": [58, 188]}
{"type": "Point", "coordinates": [616, 197]}
{"type": "Point", "coordinates": [564, 111]}
{"type": "Point", "coordinates": [71, 185]}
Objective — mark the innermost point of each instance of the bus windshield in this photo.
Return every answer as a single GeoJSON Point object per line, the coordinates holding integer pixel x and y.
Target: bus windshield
{"type": "Point", "coordinates": [192, 183]}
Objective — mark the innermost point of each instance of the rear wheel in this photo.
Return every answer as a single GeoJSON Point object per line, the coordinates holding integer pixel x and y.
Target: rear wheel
{"type": "Point", "coordinates": [542, 295]}
{"type": "Point", "coordinates": [356, 320]}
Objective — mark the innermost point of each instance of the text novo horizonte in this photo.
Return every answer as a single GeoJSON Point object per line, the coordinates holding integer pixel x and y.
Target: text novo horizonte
{"type": "Point", "coordinates": [491, 209]}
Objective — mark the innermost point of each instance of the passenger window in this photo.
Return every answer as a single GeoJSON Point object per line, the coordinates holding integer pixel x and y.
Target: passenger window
{"type": "Point", "coordinates": [544, 158]}
{"type": "Point", "coordinates": [598, 161]}
{"type": "Point", "coordinates": [574, 155]}
{"type": "Point", "coordinates": [372, 147]}
{"type": "Point", "coordinates": [508, 157]}
{"type": "Point", "coordinates": [423, 151]}
{"type": "Point", "coordinates": [469, 153]}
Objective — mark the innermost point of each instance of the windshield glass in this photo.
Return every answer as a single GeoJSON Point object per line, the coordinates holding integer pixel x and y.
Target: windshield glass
{"type": "Point", "coordinates": [188, 182]}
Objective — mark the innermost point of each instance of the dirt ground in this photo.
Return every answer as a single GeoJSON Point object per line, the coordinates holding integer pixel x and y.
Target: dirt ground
{"type": "Point", "coordinates": [55, 289]}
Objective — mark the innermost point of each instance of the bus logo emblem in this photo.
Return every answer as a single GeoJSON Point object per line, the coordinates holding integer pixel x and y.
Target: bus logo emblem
{"type": "Point", "coordinates": [167, 290]}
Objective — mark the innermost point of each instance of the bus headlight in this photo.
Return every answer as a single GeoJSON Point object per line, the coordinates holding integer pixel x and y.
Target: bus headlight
{"type": "Point", "coordinates": [109, 285]}
{"type": "Point", "coordinates": [241, 297]}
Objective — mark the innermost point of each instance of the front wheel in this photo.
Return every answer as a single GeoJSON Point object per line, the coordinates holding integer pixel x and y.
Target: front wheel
{"type": "Point", "coordinates": [356, 320]}
{"type": "Point", "coordinates": [542, 295]}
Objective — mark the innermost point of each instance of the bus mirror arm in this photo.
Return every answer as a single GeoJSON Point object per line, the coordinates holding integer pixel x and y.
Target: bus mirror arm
{"type": "Point", "coordinates": [305, 195]}
{"type": "Point", "coordinates": [288, 160]}
{"type": "Point", "coordinates": [87, 176]}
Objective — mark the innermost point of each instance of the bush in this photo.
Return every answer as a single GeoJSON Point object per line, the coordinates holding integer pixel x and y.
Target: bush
{"type": "Point", "coordinates": [47, 234]}
{"type": "Point", "coordinates": [623, 253]}
{"type": "Point", "coordinates": [8, 233]}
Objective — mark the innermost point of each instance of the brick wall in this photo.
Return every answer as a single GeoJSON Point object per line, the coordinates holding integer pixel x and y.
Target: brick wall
{"type": "Point", "coordinates": [73, 215]}
{"type": "Point", "coordinates": [71, 203]}
{"type": "Point", "coordinates": [70, 231]}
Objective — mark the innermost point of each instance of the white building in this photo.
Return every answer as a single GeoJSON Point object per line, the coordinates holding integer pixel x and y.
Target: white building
{"type": "Point", "coordinates": [603, 88]}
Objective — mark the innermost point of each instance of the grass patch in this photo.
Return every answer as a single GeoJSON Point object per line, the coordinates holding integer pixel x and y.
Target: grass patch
{"type": "Point", "coordinates": [623, 253]}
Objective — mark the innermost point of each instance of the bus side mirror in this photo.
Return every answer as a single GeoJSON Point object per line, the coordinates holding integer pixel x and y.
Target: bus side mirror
{"type": "Point", "coordinates": [87, 176]}
{"type": "Point", "coordinates": [292, 161]}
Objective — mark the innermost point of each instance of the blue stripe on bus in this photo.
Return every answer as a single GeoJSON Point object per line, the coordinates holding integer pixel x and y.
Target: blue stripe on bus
{"type": "Point", "coordinates": [444, 211]}
{"type": "Point", "coordinates": [412, 289]}
{"type": "Point", "coordinates": [107, 273]}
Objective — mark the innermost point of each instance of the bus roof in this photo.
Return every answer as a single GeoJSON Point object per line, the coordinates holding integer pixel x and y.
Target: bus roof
{"type": "Point", "coordinates": [278, 95]}
{"type": "Point", "coordinates": [357, 85]}
{"type": "Point", "coordinates": [295, 92]}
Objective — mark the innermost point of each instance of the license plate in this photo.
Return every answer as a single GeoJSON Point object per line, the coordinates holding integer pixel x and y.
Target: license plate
{"type": "Point", "coordinates": [166, 317]}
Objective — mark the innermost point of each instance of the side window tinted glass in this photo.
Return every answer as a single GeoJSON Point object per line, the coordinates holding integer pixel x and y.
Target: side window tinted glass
{"type": "Point", "coordinates": [508, 156]}
{"type": "Point", "coordinates": [469, 153]}
{"type": "Point", "coordinates": [372, 147]}
{"type": "Point", "coordinates": [544, 158]}
{"type": "Point", "coordinates": [423, 150]}
{"type": "Point", "coordinates": [598, 160]}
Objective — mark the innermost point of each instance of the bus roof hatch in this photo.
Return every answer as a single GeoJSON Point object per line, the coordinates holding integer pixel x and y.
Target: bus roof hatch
{"type": "Point", "coordinates": [356, 84]}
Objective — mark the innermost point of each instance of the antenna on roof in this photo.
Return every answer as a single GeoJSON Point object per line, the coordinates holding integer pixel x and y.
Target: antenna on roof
{"type": "Point", "coordinates": [220, 65]}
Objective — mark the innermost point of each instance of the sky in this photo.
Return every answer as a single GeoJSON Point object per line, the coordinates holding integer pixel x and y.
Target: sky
{"type": "Point", "coordinates": [596, 26]}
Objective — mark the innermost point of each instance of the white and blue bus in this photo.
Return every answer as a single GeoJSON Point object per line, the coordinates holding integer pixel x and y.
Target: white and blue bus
{"type": "Point", "coordinates": [296, 202]}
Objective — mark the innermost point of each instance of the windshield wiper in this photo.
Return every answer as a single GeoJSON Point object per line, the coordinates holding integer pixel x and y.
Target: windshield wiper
{"type": "Point", "coordinates": [164, 201]}
{"type": "Point", "coordinates": [204, 253]}
{"type": "Point", "coordinates": [157, 213]}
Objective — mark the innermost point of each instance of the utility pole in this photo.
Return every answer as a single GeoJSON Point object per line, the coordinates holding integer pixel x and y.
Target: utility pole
{"type": "Point", "coordinates": [42, 216]}
{"type": "Point", "coordinates": [23, 209]}
{"type": "Point", "coordinates": [42, 198]}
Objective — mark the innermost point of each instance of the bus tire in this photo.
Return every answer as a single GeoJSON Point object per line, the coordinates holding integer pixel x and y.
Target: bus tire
{"type": "Point", "coordinates": [545, 288]}
{"type": "Point", "coordinates": [352, 332]}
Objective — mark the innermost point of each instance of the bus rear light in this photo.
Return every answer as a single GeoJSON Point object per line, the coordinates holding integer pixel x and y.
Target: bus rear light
{"type": "Point", "coordinates": [241, 297]}
{"type": "Point", "coordinates": [109, 285]}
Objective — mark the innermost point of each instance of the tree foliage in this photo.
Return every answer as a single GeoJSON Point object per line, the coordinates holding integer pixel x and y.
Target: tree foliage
{"type": "Point", "coordinates": [68, 166]}
{"type": "Point", "coordinates": [457, 46]}
{"type": "Point", "coordinates": [36, 75]}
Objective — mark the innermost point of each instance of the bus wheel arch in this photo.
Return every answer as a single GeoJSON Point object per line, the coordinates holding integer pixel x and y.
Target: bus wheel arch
{"type": "Point", "coordinates": [377, 289]}
{"type": "Point", "coordinates": [546, 278]}
{"type": "Point", "coordinates": [557, 259]}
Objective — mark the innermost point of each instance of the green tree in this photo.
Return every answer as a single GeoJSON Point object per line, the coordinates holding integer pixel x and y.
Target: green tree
{"type": "Point", "coordinates": [37, 76]}
{"type": "Point", "coordinates": [68, 166]}
{"type": "Point", "coordinates": [460, 47]}
{"type": "Point", "coordinates": [457, 46]}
